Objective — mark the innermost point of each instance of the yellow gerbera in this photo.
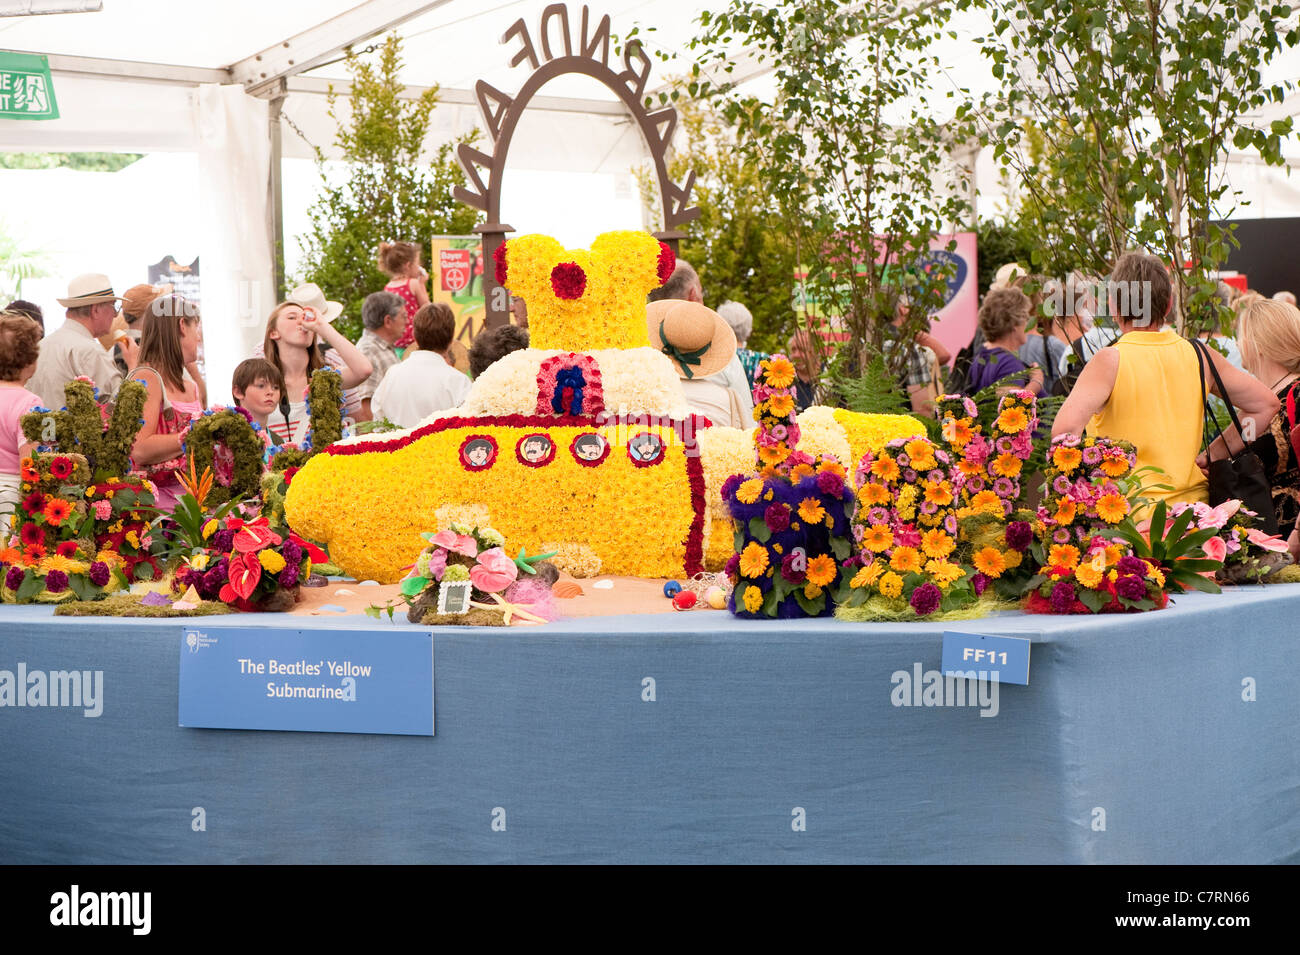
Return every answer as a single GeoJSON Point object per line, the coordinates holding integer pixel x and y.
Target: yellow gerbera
{"type": "Point", "coordinates": [748, 492]}
{"type": "Point", "coordinates": [1112, 508]}
{"type": "Point", "coordinates": [989, 562]}
{"type": "Point", "coordinates": [871, 573]}
{"type": "Point", "coordinates": [56, 562]}
{"type": "Point", "coordinates": [780, 405]}
{"type": "Point", "coordinates": [1063, 555]}
{"type": "Point", "coordinates": [831, 465]}
{"type": "Point", "coordinates": [821, 570]}
{"type": "Point", "coordinates": [885, 468]}
{"type": "Point", "coordinates": [1088, 575]}
{"type": "Point", "coordinates": [921, 452]}
{"type": "Point", "coordinates": [1007, 465]}
{"type": "Point", "coordinates": [1012, 420]}
{"type": "Point", "coordinates": [801, 471]}
{"type": "Point", "coordinates": [943, 573]}
{"type": "Point", "coordinates": [753, 559]}
{"type": "Point", "coordinates": [779, 372]}
{"type": "Point", "coordinates": [860, 578]}
{"type": "Point", "coordinates": [878, 538]}
{"type": "Point", "coordinates": [773, 453]}
{"type": "Point", "coordinates": [753, 599]}
{"type": "Point", "coordinates": [906, 560]}
{"type": "Point", "coordinates": [938, 492]}
{"type": "Point", "coordinates": [937, 544]}
{"type": "Point", "coordinates": [810, 510]}
{"type": "Point", "coordinates": [986, 501]}
{"type": "Point", "coordinates": [956, 432]}
{"type": "Point", "coordinates": [871, 494]}
{"type": "Point", "coordinates": [891, 585]}
{"type": "Point", "coordinates": [1067, 459]}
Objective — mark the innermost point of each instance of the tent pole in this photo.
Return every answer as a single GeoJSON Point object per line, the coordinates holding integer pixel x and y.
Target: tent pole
{"type": "Point", "coordinates": [276, 204]}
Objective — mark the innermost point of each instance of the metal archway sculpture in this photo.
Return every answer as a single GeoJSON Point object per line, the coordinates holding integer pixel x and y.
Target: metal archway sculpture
{"type": "Point", "coordinates": [501, 114]}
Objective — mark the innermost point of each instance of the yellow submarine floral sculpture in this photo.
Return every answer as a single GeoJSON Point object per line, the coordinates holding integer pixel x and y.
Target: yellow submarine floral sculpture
{"type": "Point", "coordinates": [583, 441]}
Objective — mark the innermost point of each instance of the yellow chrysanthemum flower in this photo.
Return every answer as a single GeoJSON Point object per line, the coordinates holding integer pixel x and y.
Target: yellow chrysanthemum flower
{"type": "Point", "coordinates": [209, 528]}
{"type": "Point", "coordinates": [821, 570]}
{"type": "Point", "coordinates": [943, 573]}
{"type": "Point", "coordinates": [937, 544]}
{"type": "Point", "coordinates": [989, 561]}
{"type": "Point", "coordinates": [878, 537]}
{"type": "Point", "coordinates": [1088, 575]}
{"type": "Point", "coordinates": [811, 591]}
{"type": "Point", "coordinates": [810, 510]}
{"type": "Point", "coordinates": [1112, 508]}
{"type": "Point", "coordinates": [1013, 558]}
{"type": "Point", "coordinates": [753, 560]}
{"type": "Point", "coordinates": [906, 560]}
{"type": "Point", "coordinates": [753, 599]}
{"type": "Point", "coordinates": [748, 492]}
{"type": "Point", "coordinates": [864, 577]}
{"type": "Point", "coordinates": [891, 585]}
{"type": "Point", "coordinates": [271, 561]}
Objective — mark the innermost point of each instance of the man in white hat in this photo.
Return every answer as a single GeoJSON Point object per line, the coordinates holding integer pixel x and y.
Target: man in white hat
{"type": "Point", "coordinates": [71, 351]}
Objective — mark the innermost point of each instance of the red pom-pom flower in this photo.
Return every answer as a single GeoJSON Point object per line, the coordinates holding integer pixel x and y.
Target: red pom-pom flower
{"type": "Point", "coordinates": [667, 262]}
{"type": "Point", "coordinates": [568, 281]}
{"type": "Point", "coordinates": [499, 257]}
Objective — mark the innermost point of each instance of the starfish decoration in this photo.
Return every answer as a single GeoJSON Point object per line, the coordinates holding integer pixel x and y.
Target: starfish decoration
{"type": "Point", "coordinates": [525, 563]}
{"type": "Point", "coordinates": [508, 610]}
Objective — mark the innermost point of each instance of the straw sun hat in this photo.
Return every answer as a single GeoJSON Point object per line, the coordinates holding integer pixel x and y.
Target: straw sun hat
{"type": "Point", "coordinates": [697, 340]}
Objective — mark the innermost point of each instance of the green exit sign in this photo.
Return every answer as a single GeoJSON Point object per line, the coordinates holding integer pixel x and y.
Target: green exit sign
{"type": "Point", "coordinates": [26, 90]}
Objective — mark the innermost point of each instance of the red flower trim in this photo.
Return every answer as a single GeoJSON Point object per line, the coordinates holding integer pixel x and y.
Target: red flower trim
{"type": "Point", "coordinates": [695, 539]}
{"type": "Point", "coordinates": [492, 457]}
{"type": "Point", "coordinates": [499, 257]}
{"type": "Point", "coordinates": [593, 398]}
{"type": "Point", "coordinates": [663, 451]}
{"type": "Point", "coordinates": [667, 262]}
{"type": "Point", "coordinates": [568, 281]}
{"type": "Point", "coordinates": [573, 449]}
{"type": "Point", "coordinates": [692, 423]}
{"type": "Point", "coordinates": [519, 451]}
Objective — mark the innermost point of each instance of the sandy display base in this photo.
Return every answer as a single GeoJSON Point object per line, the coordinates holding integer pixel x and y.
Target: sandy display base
{"type": "Point", "coordinates": [628, 595]}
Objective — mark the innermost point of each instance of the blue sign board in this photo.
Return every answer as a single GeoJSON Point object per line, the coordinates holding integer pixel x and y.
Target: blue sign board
{"type": "Point", "coordinates": [986, 656]}
{"type": "Point", "coordinates": [322, 681]}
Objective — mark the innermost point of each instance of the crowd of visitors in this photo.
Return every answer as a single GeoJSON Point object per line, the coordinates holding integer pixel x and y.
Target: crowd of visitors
{"type": "Point", "coordinates": [1124, 369]}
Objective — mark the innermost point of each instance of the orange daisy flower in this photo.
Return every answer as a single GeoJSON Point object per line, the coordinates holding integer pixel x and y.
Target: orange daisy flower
{"type": "Point", "coordinates": [28, 470]}
{"type": "Point", "coordinates": [885, 468]}
{"type": "Point", "coordinates": [810, 510]}
{"type": "Point", "coordinates": [906, 560]}
{"type": "Point", "coordinates": [57, 510]}
{"type": "Point", "coordinates": [753, 560]}
{"type": "Point", "coordinates": [1115, 466]}
{"type": "Point", "coordinates": [937, 544]}
{"type": "Point", "coordinates": [801, 471]}
{"type": "Point", "coordinates": [779, 372]}
{"type": "Point", "coordinates": [956, 433]}
{"type": "Point", "coordinates": [871, 494]}
{"type": "Point", "coordinates": [989, 562]}
{"type": "Point", "coordinates": [1012, 420]}
{"type": "Point", "coordinates": [878, 538]}
{"type": "Point", "coordinates": [986, 501]}
{"type": "Point", "coordinates": [921, 452]}
{"type": "Point", "coordinates": [822, 570]}
{"type": "Point", "coordinates": [1065, 511]}
{"type": "Point", "coordinates": [1067, 459]}
{"type": "Point", "coordinates": [1112, 508]}
{"type": "Point", "coordinates": [1007, 465]}
{"type": "Point", "coordinates": [1063, 555]}
{"type": "Point", "coordinates": [780, 405]}
{"type": "Point", "coordinates": [938, 492]}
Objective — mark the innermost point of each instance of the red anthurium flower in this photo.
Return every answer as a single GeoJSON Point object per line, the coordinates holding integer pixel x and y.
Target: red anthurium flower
{"type": "Point", "coordinates": [244, 573]}
{"type": "Point", "coordinates": [317, 555]}
{"type": "Point", "coordinates": [254, 536]}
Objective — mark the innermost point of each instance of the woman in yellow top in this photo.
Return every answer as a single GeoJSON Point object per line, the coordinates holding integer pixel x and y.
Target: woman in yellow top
{"type": "Point", "coordinates": [1147, 387]}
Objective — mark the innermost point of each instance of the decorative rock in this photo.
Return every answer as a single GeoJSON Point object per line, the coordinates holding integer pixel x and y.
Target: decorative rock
{"type": "Point", "coordinates": [715, 598]}
{"type": "Point", "coordinates": [603, 585]}
{"type": "Point", "coordinates": [546, 571]}
{"type": "Point", "coordinates": [672, 588]}
{"type": "Point", "coordinates": [684, 600]}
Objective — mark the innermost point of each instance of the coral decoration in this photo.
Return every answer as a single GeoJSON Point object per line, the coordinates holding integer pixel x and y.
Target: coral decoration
{"type": "Point", "coordinates": [499, 261]}
{"type": "Point", "coordinates": [570, 384]}
{"type": "Point", "coordinates": [667, 262]}
{"type": "Point", "coordinates": [568, 281]}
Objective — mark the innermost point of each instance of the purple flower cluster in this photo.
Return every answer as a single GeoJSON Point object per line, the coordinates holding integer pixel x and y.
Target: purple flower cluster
{"type": "Point", "coordinates": [14, 579]}
{"type": "Point", "coordinates": [1019, 535]}
{"type": "Point", "coordinates": [777, 517]}
{"type": "Point", "coordinates": [223, 540]}
{"type": "Point", "coordinates": [925, 599]}
{"type": "Point", "coordinates": [99, 573]}
{"type": "Point", "coordinates": [789, 573]}
{"type": "Point", "coordinates": [56, 581]}
{"type": "Point", "coordinates": [1062, 597]}
{"type": "Point", "coordinates": [1131, 588]}
{"type": "Point", "coordinates": [828, 482]}
{"type": "Point", "coordinates": [980, 583]}
{"type": "Point", "coordinates": [1132, 566]}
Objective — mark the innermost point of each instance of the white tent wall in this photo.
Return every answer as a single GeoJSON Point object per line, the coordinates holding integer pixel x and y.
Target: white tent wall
{"type": "Point", "coordinates": [237, 268]}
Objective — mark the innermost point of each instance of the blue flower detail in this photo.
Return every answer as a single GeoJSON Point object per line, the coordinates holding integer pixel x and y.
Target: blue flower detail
{"type": "Point", "coordinates": [570, 377]}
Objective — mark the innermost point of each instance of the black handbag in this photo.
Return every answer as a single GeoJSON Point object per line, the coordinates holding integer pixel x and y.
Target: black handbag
{"type": "Point", "coordinates": [1237, 477]}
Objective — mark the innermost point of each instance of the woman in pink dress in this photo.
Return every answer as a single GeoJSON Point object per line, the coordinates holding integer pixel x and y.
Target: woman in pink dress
{"type": "Point", "coordinates": [170, 341]}
{"type": "Point", "coordinates": [400, 261]}
{"type": "Point", "coordinates": [20, 344]}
